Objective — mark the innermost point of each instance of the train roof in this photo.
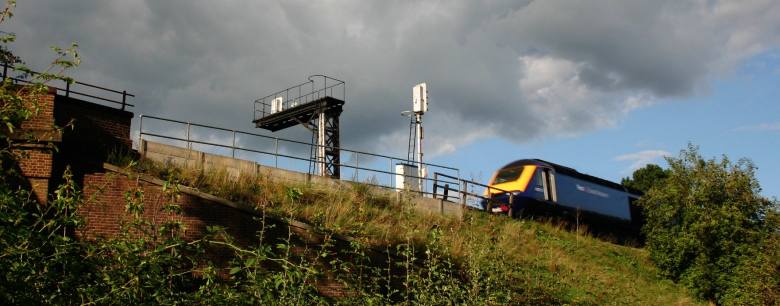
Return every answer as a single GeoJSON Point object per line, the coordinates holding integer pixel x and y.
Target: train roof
{"type": "Point", "coordinates": [572, 172]}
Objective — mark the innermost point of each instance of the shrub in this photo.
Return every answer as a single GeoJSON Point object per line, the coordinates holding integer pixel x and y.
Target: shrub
{"type": "Point", "coordinates": [708, 228]}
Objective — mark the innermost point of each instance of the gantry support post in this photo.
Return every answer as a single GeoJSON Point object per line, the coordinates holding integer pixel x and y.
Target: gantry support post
{"type": "Point", "coordinates": [327, 154]}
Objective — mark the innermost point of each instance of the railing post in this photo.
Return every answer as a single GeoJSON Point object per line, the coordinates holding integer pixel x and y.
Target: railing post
{"type": "Point", "coordinates": [67, 89]}
{"type": "Point", "coordinates": [392, 182]}
{"type": "Point", "coordinates": [124, 98]}
{"type": "Point", "coordinates": [446, 192]}
{"type": "Point", "coordinates": [234, 143]}
{"type": "Point", "coordinates": [457, 173]}
{"type": "Point", "coordinates": [511, 204]}
{"type": "Point", "coordinates": [463, 192]}
{"type": "Point", "coordinates": [357, 167]}
{"type": "Point", "coordinates": [189, 145]}
{"type": "Point", "coordinates": [276, 152]}
{"type": "Point", "coordinates": [140, 130]}
{"type": "Point", "coordinates": [435, 181]}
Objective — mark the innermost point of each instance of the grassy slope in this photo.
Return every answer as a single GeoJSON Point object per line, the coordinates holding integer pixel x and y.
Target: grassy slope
{"type": "Point", "coordinates": [537, 258]}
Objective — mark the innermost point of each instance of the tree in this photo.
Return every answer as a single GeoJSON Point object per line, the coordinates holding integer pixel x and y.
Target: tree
{"type": "Point", "coordinates": [708, 228]}
{"type": "Point", "coordinates": [645, 178]}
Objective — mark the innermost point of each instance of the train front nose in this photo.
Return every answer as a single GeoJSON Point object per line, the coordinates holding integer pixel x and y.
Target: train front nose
{"type": "Point", "coordinates": [497, 204]}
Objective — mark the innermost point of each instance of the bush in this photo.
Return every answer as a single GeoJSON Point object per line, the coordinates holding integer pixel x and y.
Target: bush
{"type": "Point", "coordinates": [708, 228]}
{"type": "Point", "coordinates": [645, 178]}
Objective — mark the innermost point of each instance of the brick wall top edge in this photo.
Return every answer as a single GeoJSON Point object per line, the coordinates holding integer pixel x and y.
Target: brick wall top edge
{"type": "Point", "coordinates": [71, 101]}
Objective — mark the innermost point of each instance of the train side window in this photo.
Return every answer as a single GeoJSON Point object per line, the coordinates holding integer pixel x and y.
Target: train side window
{"type": "Point", "coordinates": [548, 185]}
{"type": "Point", "coordinates": [539, 179]}
{"type": "Point", "coordinates": [553, 186]}
{"type": "Point", "coordinates": [545, 184]}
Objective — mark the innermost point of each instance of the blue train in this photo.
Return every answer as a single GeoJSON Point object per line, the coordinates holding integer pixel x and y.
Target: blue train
{"type": "Point", "coordinates": [537, 187]}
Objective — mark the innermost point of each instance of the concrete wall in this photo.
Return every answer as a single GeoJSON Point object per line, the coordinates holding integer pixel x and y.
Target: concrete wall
{"type": "Point", "coordinates": [192, 159]}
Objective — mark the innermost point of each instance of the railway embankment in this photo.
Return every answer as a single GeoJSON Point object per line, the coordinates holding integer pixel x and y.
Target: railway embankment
{"type": "Point", "coordinates": [389, 244]}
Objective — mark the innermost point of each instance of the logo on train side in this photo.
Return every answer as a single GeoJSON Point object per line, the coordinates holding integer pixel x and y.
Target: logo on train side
{"type": "Point", "coordinates": [592, 191]}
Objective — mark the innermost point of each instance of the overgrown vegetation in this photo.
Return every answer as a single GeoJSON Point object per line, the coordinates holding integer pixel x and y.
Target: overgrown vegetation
{"type": "Point", "coordinates": [479, 259]}
{"type": "Point", "coordinates": [709, 228]}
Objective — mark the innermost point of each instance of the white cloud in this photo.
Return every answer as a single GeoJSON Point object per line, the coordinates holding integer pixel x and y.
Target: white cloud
{"type": "Point", "coordinates": [642, 158]}
{"type": "Point", "coordinates": [565, 104]}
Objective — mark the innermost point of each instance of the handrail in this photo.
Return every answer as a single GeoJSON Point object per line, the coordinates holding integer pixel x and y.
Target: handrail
{"type": "Point", "coordinates": [473, 183]}
{"type": "Point", "coordinates": [462, 190]}
{"type": "Point", "coordinates": [236, 148]}
{"type": "Point", "coordinates": [301, 94]}
{"type": "Point", "coordinates": [293, 141]}
{"type": "Point", "coordinates": [67, 90]}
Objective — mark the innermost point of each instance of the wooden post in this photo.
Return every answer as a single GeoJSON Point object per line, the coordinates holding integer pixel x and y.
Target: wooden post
{"type": "Point", "coordinates": [511, 204]}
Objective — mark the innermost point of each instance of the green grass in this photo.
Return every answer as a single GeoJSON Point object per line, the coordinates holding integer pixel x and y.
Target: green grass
{"type": "Point", "coordinates": [540, 262]}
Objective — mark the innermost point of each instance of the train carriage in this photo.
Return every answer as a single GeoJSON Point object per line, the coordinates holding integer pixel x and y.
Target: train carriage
{"type": "Point", "coordinates": [537, 187]}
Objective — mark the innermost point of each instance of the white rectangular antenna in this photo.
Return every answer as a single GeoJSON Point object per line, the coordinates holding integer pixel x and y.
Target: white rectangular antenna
{"type": "Point", "coordinates": [420, 98]}
{"type": "Point", "coordinates": [276, 105]}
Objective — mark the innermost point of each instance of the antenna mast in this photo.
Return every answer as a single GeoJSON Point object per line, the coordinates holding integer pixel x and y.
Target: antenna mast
{"type": "Point", "coordinates": [419, 107]}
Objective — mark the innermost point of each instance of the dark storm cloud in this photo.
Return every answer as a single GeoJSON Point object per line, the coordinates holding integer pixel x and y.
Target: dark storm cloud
{"type": "Point", "coordinates": [516, 69]}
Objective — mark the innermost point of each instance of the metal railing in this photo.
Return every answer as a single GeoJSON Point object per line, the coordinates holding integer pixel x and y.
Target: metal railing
{"type": "Point", "coordinates": [465, 191]}
{"type": "Point", "coordinates": [370, 166]}
{"type": "Point", "coordinates": [317, 87]}
{"type": "Point", "coordinates": [67, 91]}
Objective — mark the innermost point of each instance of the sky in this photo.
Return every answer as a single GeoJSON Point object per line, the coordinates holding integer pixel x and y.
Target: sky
{"type": "Point", "coordinates": [601, 86]}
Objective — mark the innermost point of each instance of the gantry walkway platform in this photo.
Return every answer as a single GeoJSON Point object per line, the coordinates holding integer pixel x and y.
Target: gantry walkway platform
{"type": "Point", "coordinates": [299, 114]}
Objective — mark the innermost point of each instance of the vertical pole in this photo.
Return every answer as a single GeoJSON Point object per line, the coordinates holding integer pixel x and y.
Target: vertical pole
{"type": "Point", "coordinates": [140, 130]}
{"type": "Point", "coordinates": [511, 204]}
{"type": "Point", "coordinates": [321, 144]}
{"type": "Point", "coordinates": [124, 97]}
{"type": "Point", "coordinates": [234, 143]}
{"type": "Point", "coordinates": [392, 182]}
{"type": "Point", "coordinates": [5, 70]}
{"type": "Point", "coordinates": [460, 186]}
{"type": "Point", "coordinates": [435, 183]}
{"type": "Point", "coordinates": [67, 88]}
{"type": "Point", "coordinates": [418, 123]}
{"type": "Point", "coordinates": [189, 152]}
{"type": "Point", "coordinates": [276, 152]}
{"type": "Point", "coordinates": [463, 193]}
{"type": "Point", "coordinates": [357, 167]}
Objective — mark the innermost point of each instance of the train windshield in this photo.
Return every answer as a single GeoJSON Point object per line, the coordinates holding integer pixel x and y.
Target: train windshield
{"type": "Point", "coordinates": [508, 175]}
